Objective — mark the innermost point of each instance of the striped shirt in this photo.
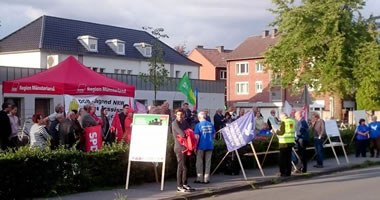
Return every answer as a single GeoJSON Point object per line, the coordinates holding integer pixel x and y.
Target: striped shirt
{"type": "Point", "coordinates": [38, 136]}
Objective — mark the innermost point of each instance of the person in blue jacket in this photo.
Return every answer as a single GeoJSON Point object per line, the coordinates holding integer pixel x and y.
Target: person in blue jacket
{"type": "Point", "coordinates": [362, 136]}
{"type": "Point", "coordinates": [374, 137]}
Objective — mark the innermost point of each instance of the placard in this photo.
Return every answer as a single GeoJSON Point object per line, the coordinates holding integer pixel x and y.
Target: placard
{"type": "Point", "coordinates": [331, 128]}
{"type": "Point", "coordinates": [149, 138]}
{"type": "Point", "coordinates": [93, 138]}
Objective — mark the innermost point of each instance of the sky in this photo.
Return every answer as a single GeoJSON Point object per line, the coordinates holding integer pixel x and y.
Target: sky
{"type": "Point", "coordinates": [209, 23]}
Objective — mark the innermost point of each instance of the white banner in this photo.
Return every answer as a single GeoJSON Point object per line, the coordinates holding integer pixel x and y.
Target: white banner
{"type": "Point", "coordinates": [112, 103]}
{"type": "Point", "coordinates": [149, 137]}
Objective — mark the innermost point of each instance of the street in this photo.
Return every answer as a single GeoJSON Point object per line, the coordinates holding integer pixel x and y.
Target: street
{"type": "Point", "coordinates": [360, 184]}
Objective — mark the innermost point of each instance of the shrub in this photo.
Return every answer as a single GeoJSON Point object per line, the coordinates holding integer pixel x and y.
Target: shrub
{"type": "Point", "coordinates": [34, 173]}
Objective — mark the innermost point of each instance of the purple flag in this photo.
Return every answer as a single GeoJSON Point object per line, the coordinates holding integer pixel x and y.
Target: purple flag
{"type": "Point", "coordinates": [240, 132]}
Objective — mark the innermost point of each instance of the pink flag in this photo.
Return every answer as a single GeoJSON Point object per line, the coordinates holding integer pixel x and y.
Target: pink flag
{"type": "Point", "coordinates": [304, 112]}
{"type": "Point", "coordinates": [140, 108]}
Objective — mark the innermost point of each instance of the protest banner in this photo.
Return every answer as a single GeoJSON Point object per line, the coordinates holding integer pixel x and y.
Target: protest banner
{"type": "Point", "coordinates": [148, 141]}
{"type": "Point", "coordinates": [332, 130]}
{"type": "Point", "coordinates": [112, 103]}
{"type": "Point", "coordinates": [238, 134]}
{"type": "Point", "coordinates": [93, 138]}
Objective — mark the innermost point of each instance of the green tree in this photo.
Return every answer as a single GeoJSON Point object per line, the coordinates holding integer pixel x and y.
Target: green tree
{"type": "Point", "coordinates": [319, 45]}
{"type": "Point", "coordinates": [157, 73]}
{"type": "Point", "coordinates": [367, 74]}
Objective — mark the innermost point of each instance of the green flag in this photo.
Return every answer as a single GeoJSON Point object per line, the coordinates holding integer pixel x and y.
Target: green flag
{"type": "Point", "coordinates": [184, 86]}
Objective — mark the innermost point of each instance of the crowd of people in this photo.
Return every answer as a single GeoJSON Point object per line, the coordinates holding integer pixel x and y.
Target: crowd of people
{"type": "Point", "coordinates": [293, 131]}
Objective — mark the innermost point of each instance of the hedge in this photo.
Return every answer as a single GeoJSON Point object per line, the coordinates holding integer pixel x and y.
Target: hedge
{"type": "Point", "coordinates": [27, 173]}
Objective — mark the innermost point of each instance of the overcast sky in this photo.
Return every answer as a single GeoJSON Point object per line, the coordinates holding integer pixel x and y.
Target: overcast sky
{"type": "Point", "coordinates": [206, 22]}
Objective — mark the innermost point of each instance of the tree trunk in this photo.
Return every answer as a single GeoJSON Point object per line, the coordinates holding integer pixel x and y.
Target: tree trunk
{"type": "Point", "coordinates": [338, 106]}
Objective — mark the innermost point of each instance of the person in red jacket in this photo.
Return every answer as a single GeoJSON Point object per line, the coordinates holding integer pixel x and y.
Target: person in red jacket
{"type": "Point", "coordinates": [128, 126]}
{"type": "Point", "coordinates": [179, 125]}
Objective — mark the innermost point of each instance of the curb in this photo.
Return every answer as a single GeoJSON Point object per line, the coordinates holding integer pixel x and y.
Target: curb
{"type": "Point", "coordinates": [251, 185]}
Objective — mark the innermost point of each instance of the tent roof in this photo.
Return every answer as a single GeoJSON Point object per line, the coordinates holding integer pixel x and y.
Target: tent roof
{"type": "Point", "coordinates": [69, 77]}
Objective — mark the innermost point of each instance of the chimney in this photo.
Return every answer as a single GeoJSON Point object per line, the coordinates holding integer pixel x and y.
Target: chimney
{"type": "Point", "coordinates": [265, 33]}
{"type": "Point", "coordinates": [200, 46]}
{"type": "Point", "coordinates": [220, 49]}
{"type": "Point", "coordinates": [274, 32]}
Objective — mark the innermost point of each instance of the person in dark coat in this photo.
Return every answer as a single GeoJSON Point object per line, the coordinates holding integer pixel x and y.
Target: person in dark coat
{"type": "Point", "coordinates": [123, 114]}
{"type": "Point", "coordinates": [187, 113]}
{"type": "Point", "coordinates": [67, 131]}
{"type": "Point", "coordinates": [218, 120]}
{"type": "Point", "coordinates": [5, 125]}
{"type": "Point", "coordinates": [53, 130]}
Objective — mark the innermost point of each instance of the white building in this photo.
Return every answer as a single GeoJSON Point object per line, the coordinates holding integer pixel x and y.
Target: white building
{"type": "Point", "coordinates": [49, 40]}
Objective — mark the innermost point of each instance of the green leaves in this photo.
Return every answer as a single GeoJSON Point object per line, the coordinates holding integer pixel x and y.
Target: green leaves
{"type": "Point", "coordinates": [318, 44]}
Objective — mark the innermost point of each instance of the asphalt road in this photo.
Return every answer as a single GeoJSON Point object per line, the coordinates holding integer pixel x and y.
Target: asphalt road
{"type": "Point", "coordinates": [361, 184]}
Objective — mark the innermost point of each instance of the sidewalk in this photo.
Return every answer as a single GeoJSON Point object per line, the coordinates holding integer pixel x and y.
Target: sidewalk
{"type": "Point", "coordinates": [220, 183]}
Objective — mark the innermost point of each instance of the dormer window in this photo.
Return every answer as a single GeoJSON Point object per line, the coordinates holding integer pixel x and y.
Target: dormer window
{"type": "Point", "coordinates": [144, 48]}
{"type": "Point", "coordinates": [118, 46]}
{"type": "Point", "coordinates": [89, 42]}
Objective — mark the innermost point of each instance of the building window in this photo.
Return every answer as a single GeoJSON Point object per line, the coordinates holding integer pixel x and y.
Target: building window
{"type": "Point", "coordinates": [177, 74]}
{"type": "Point", "coordinates": [120, 48]}
{"type": "Point", "coordinates": [129, 71]}
{"type": "Point", "coordinates": [122, 71]}
{"type": "Point", "coordinates": [223, 74]}
{"type": "Point", "coordinates": [259, 67]}
{"type": "Point", "coordinates": [242, 68]}
{"type": "Point", "coordinates": [148, 51]}
{"type": "Point", "coordinates": [95, 69]}
{"type": "Point", "coordinates": [101, 70]}
{"type": "Point", "coordinates": [177, 104]}
{"type": "Point", "coordinates": [259, 86]}
{"type": "Point", "coordinates": [189, 74]}
{"type": "Point", "coordinates": [241, 87]}
{"type": "Point", "coordinates": [116, 71]}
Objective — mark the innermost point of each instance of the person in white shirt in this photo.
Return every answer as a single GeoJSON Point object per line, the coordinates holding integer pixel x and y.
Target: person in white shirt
{"type": "Point", "coordinates": [39, 136]}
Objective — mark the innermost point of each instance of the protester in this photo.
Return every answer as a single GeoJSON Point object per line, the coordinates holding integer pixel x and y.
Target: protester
{"type": "Point", "coordinates": [5, 124]}
{"type": "Point", "coordinates": [194, 119]}
{"type": "Point", "coordinates": [59, 108]}
{"type": "Point", "coordinates": [318, 129]}
{"type": "Point", "coordinates": [178, 127]}
{"type": "Point", "coordinates": [92, 113]}
{"type": "Point", "coordinates": [205, 133]}
{"type": "Point", "coordinates": [265, 131]}
{"type": "Point", "coordinates": [187, 111]}
{"type": "Point", "coordinates": [53, 129]}
{"type": "Point", "coordinates": [227, 118]}
{"type": "Point", "coordinates": [165, 109]}
{"type": "Point", "coordinates": [232, 111]}
{"type": "Point", "coordinates": [374, 140]}
{"type": "Point", "coordinates": [39, 136]}
{"type": "Point", "coordinates": [15, 125]}
{"type": "Point", "coordinates": [67, 131]}
{"type": "Point", "coordinates": [286, 138]}
{"type": "Point", "coordinates": [241, 113]}
{"type": "Point", "coordinates": [106, 133]}
{"type": "Point", "coordinates": [207, 116]}
{"type": "Point", "coordinates": [128, 126]}
{"type": "Point", "coordinates": [362, 135]}
{"type": "Point", "coordinates": [123, 115]}
{"type": "Point", "coordinates": [77, 127]}
{"type": "Point", "coordinates": [259, 121]}
{"type": "Point", "coordinates": [302, 140]}
{"type": "Point", "coordinates": [85, 120]}
{"type": "Point", "coordinates": [218, 120]}
{"type": "Point", "coordinates": [273, 121]}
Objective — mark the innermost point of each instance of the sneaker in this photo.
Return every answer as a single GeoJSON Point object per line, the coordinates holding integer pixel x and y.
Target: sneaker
{"type": "Point", "coordinates": [188, 188]}
{"type": "Point", "coordinates": [181, 189]}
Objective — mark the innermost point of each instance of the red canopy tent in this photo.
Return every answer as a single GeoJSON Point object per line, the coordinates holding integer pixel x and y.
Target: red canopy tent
{"type": "Point", "coordinates": [69, 77]}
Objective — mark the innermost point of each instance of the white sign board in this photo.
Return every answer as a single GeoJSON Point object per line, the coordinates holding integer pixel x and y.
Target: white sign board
{"type": "Point", "coordinates": [112, 103]}
{"type": "Point", "coordinates": [149, 138]}
{"type": "Point", "coordinates": [360, 114]}
{"type": "Point", "coordinates": [332, 128]}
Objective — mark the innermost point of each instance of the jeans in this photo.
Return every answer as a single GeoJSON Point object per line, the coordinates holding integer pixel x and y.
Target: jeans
{"type": "Point", "coordinates": [206, 156]}
{"type": "Point", "coordinates": [182, 166]}
{"type": "Point", "coordinates": [318, 143]}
